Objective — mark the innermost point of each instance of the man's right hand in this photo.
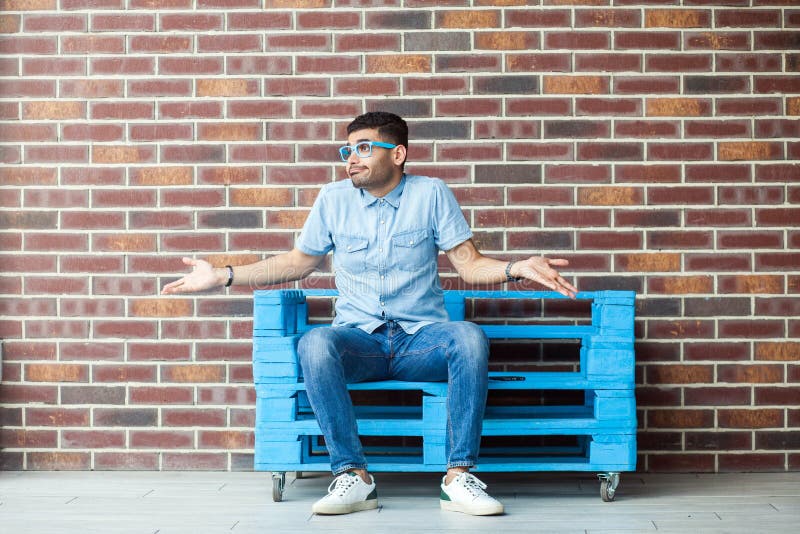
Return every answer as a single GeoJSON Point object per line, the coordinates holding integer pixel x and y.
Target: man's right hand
{"type": "Point", "coordinates": [203, 276]}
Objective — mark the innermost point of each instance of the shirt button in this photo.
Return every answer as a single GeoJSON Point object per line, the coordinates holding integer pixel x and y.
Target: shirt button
{"type": "Point", "coordinates": [382, 277]}
{"type": "Point", "coordinates": [410, 242]}
{"type": "Point", "coordinates": [380, 250]}
{"type": "Point", "coordinates": [383, 303]}
{"type": "Point", "coordinates": [382, 222]}
{"type": "Point", "coordinates": [349, 247]}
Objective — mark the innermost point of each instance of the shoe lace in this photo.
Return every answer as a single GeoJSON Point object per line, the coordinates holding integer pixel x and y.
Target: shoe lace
{"type": "Point", "coordinates": [473, 484]}
{"type": "Point", "coordinates": [342, 484]}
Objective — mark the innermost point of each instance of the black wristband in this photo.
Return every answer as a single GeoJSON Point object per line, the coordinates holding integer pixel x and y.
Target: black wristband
{"type": "Point", "coordinates": [510, 278]}
{"type": "Point", "coordinates": [230, 276]}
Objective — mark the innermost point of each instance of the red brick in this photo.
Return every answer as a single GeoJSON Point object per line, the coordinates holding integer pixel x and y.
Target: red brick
{"type": "Point", "coordinates": [777, 395]}
{"type": "Point", "coordinates": [537, 17]}
{"type": "Point", "coordinates": [662, 329]}
{"type": "Point", "coordinates": [169, 439]}
{"type": "Point", "coordinates": [94, 44]}
{"type": "Point", "coordinates": [717, 396]}
{"type": "Point", "coordinates": [190, 65]}
{"type": "Point", "coordinates": [161, 395]}
{"type": "Point", "coordinates": [716, 40]}
{"type": "Point", "coordinates": [92, 439]}
{"type": "Point", "coordinates": [611, 62]}
{"type": "Point", "coordinates": [259, 20]}
{"type": "Point", "coordinates": [538, 62]}
{"type": "Point", "coordinates": [123, 373]}
{"type": "Point", "coordinates": [323, 64]}
{"type": "Point", "coordinates": [638, 128]}
{"type": "Point", "coordinates": [749, 106]}
{"type": "Point", "coordinates": [201, 21]}
{"type": "Point", "coordinates": [297, 87]}
{"type": "Point", "coordinates": [27, 45]}
{"type": "Point", "coordinates": [161, 351]}
{"type": "Point", "coordinates": [47, 66]}
{"type": "Point", "coordinates": [191, 417]}
{"type": "Point", "coordinates": [190, 110]}
{"type": "Point", "coordinates": [91, 351]}
{"type": "Point", "coordinates": [259, 65]}
{"type": "Point", "coordinates": [57, 416]}
{"type": "Point", "coordinates": [259, 109]}
{"type": "Point", "coordinates": [125, 329]}
{"type": "Point", "coordinates": [535, 151]}
{"type": "Point", "coordinates": [194, 329]}
{"type": "Point", "coordinates": [367, 86]}
{"type": "Point", "coordinates": [328, 20]}
{"type": "Point", "coordinates": [716, 351]}
{"type": "Point", "coordinates": [468, 63]}
{"type": "Point", "coordinates": [91, 264]}
{"type": "Point", "coordinates": [648, 40]}
{"type": "Point", "coordinates": [24, 393]}
{"type": "Point", "coordinates": [576, 174]}
{"type": "Point", "coordinates": [538, 106]}
{"type": "Point", "coordinates": [126, 22]}
{"type": "Point", "coordinates": [134, 461]}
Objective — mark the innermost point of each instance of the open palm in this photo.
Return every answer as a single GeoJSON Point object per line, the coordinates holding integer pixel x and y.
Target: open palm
{"type": "Point", "coordinates": [201, 278]}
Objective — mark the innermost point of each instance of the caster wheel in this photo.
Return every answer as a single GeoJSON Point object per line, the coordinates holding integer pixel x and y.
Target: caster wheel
{"type": "Point", "coordinates": [607, 493]}
{"type": "Point", "coordinates": [278, 483]}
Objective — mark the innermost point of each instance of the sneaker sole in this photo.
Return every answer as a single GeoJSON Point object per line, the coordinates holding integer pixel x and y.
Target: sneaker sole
{"type": "Point", "coordinates": [451, 506]}
{"type": "Point", "coordinates": [338, 509]}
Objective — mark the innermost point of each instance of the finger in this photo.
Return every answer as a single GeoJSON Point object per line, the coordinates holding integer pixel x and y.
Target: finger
{"type": "Point", "coordinates": [558, 261]}
{"type": "Point", "coordinates": [188, 261]}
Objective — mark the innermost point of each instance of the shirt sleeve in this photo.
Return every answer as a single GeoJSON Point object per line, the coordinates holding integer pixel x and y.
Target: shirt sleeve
{"type": "Point", "coordinates": [450, 228]}
{"type": "Point", "coordinates": [315, 238]}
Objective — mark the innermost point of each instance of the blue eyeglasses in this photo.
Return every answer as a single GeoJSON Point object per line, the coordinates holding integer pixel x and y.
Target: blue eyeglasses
{"type": "Point", "coordinates": [363, 149]}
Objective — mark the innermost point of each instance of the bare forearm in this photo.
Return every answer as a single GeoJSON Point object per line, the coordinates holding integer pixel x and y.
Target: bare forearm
{"type": "Point", "coordinates": [484, 270]}
{"type": "Point", "coordinates": [277, 269]}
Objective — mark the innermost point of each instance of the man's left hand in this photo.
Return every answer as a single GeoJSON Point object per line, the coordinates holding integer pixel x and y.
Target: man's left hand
{"type": "Point", "coordinates": [540, 269]}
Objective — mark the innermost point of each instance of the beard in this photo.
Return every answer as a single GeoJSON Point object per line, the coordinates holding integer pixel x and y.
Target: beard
{"type": "Point", "coordinates": [371, 178]}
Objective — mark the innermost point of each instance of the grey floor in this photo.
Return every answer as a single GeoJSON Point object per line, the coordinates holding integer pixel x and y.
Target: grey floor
{"type": "Point", "coordinates": [235, 503]}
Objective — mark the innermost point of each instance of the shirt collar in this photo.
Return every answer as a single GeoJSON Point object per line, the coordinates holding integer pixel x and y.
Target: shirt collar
{"type": "Point", "coordinates": [392, 198]}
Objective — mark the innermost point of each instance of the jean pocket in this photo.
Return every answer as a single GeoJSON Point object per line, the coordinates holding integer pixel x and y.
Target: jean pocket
{"type": "Point", "coordinates": [350, 253]}
{"type": "Point", "coordinates": [412, 249]}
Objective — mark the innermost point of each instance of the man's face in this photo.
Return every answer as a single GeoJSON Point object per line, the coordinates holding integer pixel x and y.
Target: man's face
{"type": "Point", "coordinates": [374, 171]}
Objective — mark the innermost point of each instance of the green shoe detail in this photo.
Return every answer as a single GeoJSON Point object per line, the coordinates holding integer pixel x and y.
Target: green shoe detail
{"type": "Point", "coordinates": [373, 494]}
{"type": "Point", "coordinates": [444, 496]}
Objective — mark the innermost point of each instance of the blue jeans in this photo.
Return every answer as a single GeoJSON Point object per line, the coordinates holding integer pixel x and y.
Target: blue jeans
{"type": "Point", "coordinates": [456, 351]}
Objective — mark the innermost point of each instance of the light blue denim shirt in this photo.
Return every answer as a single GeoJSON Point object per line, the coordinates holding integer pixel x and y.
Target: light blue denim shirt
{"type": "Point", "coordinates": [385, 249]}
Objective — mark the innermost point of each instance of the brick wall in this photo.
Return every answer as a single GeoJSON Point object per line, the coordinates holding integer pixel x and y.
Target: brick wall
{"type": "Point", "coordinates": [654, 145]}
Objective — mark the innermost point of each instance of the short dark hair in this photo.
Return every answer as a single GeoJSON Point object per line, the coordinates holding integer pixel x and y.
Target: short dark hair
{"type": "Point", "coordinates": [390, 127]}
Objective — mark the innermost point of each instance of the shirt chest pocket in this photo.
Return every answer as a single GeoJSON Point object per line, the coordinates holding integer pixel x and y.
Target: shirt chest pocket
{"type": "Point", "coordinates": [351, 253]}
{"type": "Point", "coordinates": [412, 250]}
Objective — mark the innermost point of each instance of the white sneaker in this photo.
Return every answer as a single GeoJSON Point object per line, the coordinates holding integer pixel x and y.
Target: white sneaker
{"type": "Point", "coordinates": [347, 493]}
{"type": "Point", "coordinates": [465, 494]}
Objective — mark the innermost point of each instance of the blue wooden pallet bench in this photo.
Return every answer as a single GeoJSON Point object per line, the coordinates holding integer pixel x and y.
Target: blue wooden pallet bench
{"type": "Point", "coordinates": [596, 433]}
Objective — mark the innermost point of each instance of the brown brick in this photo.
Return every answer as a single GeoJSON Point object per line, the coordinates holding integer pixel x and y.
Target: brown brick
{"type": "Point", "coordinates": [677, 107]}
{"type": "Point", "coordinates": [609, 196]}
{"type": "Point", "coordinates": [575, 85]}
{"type": "Point", "coordinates": [56, 372]}
{"type": "Point", "coordinates": [123, 154]}
{"type": "Point", "coordinates": [750, 418]}
{"type": "Point", "coordinates": [682, 418]}
{"type": "Point", "coordinates": [59, 461]}
{"type": "Point", "coordinates": [717, 396]}
{"type": "Point", "coordinates": [682, 284]}
{"type": "Point", "coordinates": [676, 18]}
{"type": "Point", "coordinates": [124, 243]}
{"type": "Point", "coordinates": [755, 150]}
{"type": "Point", "coordinates": [506, 40]}
{"type": "Point", "coordinates": [793, 105]}
{"type": "Point", "coordinates": [161, 176]}
{"type": "Point", "coordinates": [787, 351]}
{"type": "Point", "coordinates": [206, 417]}
{"type": "Point", "coordinates": [399, 64]}
{"type": "Point", "coordinates": [226, 439]}
{"type": "Point", "coordinates": [648, 262]}
{"type": "Point", "coordinates": [680, 374]}
{"type": "Point", "coordinates": [758, 284]}
{"type": "Point", "coordinates": [468, 19]}
{"type": "Point", "coordinates": [53, 110]}
{"type": "Point", "coordinates": [752, 373]}
{"type": "Point", "coordinates": [227, 87]}
{"type": "Point", "coordinates": [261, 197]}
{"type": "Point", "coordinates": [58, 417]}
{"type": "Point", "coordinates": [193, 373]}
